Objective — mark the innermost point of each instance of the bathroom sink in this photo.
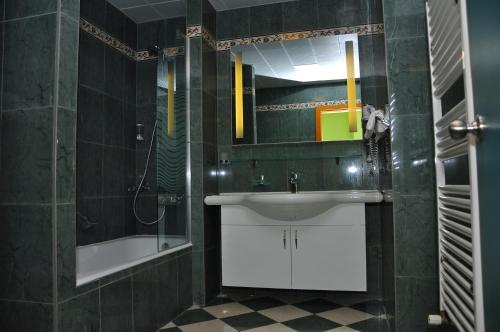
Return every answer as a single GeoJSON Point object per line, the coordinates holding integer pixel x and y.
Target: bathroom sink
{"type": "Point", "coordinates": [299, 206]}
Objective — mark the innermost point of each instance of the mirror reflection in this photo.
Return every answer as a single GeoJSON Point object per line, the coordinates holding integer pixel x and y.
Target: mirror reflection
{"type": "Point", "coordinates": [297, 91]}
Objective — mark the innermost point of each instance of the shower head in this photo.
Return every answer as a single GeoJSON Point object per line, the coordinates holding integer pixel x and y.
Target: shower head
{"type": "Point", "coordinates": [154, 50]}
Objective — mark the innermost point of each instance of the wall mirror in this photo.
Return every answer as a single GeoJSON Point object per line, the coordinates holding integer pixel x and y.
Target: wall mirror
{"type": "Point", "coordinates": [296, 91]}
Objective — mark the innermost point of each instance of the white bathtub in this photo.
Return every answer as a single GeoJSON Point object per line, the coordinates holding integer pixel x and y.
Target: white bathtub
{"type": "Point", "coordinates": [95, 261]}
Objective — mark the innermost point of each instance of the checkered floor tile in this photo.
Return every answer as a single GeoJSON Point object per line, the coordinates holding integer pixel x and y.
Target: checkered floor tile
{"type": "Point", "coordinates": [274, 314]}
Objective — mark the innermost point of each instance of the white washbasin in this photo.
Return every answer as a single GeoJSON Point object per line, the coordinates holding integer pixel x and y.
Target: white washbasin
{"type": "Point", "coordinates": [302, 205]}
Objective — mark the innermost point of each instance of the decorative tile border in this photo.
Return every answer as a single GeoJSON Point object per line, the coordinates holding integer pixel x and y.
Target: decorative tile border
{"type": "Point", "coordinates": [124, 48]}
{"type": "Point", "coordinates": [193, 31]}
{"type": "Point", "coordinates": [169, 52]}
{"type": "Point", "coordinates": [107, 39]}
{"type": "Point", "coordinates": [212, 42]}
{"type": "Point", "coordinates": [299, 106]}
{"type": "Point", "coordinates": [361, 30]}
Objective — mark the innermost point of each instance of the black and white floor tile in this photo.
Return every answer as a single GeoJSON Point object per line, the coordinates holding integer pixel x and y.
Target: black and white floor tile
{"type": "Point", "coordinates": [262, 313]}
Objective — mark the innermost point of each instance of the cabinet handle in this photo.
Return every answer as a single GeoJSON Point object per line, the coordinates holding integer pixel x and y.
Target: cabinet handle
{"type": "Point", "coordinates": [284, 239]}
{"type": "Point", "coordinates": [296, 240]}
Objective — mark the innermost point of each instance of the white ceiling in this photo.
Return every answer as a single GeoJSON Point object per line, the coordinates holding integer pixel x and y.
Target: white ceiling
{"type": "Point", "coordinates": [305, 60]}
{"type": "Point", "coordinates": [142, 11]}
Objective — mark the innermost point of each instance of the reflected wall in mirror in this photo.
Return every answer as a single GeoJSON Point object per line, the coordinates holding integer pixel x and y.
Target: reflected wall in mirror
{"type": "Point", "coordinates": [297, 91]}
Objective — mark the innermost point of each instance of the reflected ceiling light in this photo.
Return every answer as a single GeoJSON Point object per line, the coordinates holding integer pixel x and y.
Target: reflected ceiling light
{"type": "Point", "coordinates": [352, 169]}
{"type": "Point", "coordinates": [238, 82]}
{"type": "Point", "coordinates": [170, 99]}
{"type": "Point", "coordinates": [313, 72]}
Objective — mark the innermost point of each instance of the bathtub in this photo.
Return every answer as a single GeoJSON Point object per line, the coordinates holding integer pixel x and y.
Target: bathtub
{"type": "Point", "coordinates": [95, 261]}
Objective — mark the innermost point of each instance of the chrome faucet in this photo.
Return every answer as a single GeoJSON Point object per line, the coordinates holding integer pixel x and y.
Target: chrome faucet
{"type": "Point", "coordinates": [294, 182]}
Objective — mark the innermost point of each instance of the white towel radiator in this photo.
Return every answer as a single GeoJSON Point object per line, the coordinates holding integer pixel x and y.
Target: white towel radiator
{"type": "Point", "coordinates": [458, 214]}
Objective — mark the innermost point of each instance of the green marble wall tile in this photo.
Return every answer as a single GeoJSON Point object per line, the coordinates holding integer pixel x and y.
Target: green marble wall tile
{"type": "Point", "coordinates": [94, 11]}
{"type": "Point", "coordinates": [413, 135]}
{"type": "Point", "coordinates": [167, 307]}
{"type": "Point", "coordinates": [184, 280]}
{"type": "Point", "coordinates": [414, 97]}
{"type": "Point", "coordinates": [266, 20]}
{"type": "Point", "coordinates": [209, 118]}
{"type": "Point", "coordinates": [26, 251]}
{"type": "Point", "coordinates": [144, 299]}
{"type": "Point", "coordinates": [68, 63]}
{"type": "Point", "coordinates": [329, 13]}
{"type": "Point", "coordinates": [310, 175]}
{"type": "Point", "coordinates": [413, 155]}
{"type": "Point", "coordinates": [196, 114]}
{"type": "Point", "coordinates": [198, 277]}
{"type": "Point", "coordinates": [146, 82]}
{"type": "Point", "coordinates": [212, 272]}
{"type": "Point", "coordinates": [66, 156]}
{"type": "Point", "coordinates": [209, 18]}
{"type": "Point", "coordinates": [26, 156]}
{"type": "Point", "coordinates": [413, 167]}
{"type": "Point", "coordinates": [91, 55]}
{"type": "Point", "coordinates": [403, 8]}
{"type": "Point", "coordinates": [116, 306]}
{"type": "Point", "coordinates": [176, 28]}
{"type": "Point", "coordinates": [410, 65]}
{"type": "Point", "coordinates": [375, 9]}
{"type": "Point", "coordinates": [233, 23]}
{"type": "Point", "coordinates": [275, 174]}
{"type": "Point", "coordinates": [224, 125]}
{"type": "Point", "coordinates": [20, 9]}
{"type": "Point", "coordinates": [71, 8]}
{"type": "Point", "coordinates": [415, 298]}
{"type": "Point", "coordinates": [15, 315]}
{"type": "Point", "coordinates": [197, 223]}
{"type": "Point", "coordinates": [300, 15]}
{"type": "Point", "coordinates": [195, 62]}
{"type": "Point", "coordinates": [210, 163]}
{"type": "Point", "coordinates": [66, 253]}
{"type": "Point", "coordinates": [29, 52]}
{"type": "Point", "coordinates": [196, 168]}
{"type": "Point", "coordinates": [194, 12]}
{"type": "Point", "coordinates": [416, 238]}
{"type": "Point", "coordinates": [406, 26]}
{"type": "Point", "coordinates": [151, 33]}
{"type": "Point", "coordinates": [409, 54]}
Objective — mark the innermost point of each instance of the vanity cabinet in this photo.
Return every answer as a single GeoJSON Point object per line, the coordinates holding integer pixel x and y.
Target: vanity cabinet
{"type": "Point", "coordinates": [329, 258]}
{"type": "Point", "coordinates": [324, 253]}
{"type": "Point", "coordinates": [256, 256]}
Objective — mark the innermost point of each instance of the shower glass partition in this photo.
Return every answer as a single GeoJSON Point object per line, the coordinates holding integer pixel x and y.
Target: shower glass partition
{"type": "Point", "coordinates": [131, 143]}
{"type": "Point", "coordinates": [171, 151]}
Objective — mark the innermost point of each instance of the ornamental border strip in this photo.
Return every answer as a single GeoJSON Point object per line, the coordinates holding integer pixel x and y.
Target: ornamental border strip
{"type": "Point", "coordinates": [124, 48]}
{"type": "Point", "coordinates": [299, 106]}
{"type": "Point", "coordinates": [361, 30]}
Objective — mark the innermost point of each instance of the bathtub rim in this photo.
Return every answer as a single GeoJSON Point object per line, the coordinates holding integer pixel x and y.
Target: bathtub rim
{"type": "Point", "coordinates": [81, 281]}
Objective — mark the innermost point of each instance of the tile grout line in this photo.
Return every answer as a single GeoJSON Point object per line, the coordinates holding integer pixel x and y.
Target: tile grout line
{"type": "Point", "coordinates": [55, 277]}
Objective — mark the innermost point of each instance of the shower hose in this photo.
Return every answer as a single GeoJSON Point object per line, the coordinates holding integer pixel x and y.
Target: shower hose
{"type": "Point", "coordinates": [138, 190]}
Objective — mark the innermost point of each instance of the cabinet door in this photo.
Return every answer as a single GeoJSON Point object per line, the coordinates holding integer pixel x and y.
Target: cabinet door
{"type": "Point", "coordinates": [329, 258]}
{"type": "Point", "coordinates": [256, 256]}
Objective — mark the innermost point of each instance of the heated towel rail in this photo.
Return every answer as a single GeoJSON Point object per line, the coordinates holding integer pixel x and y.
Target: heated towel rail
{"type": "Point", "coordinates": [460, 268]}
